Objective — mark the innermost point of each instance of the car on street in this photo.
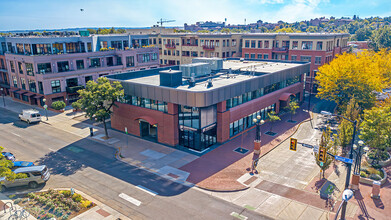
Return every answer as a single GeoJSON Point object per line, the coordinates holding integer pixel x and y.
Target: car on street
{"type": "Point", "coordinates": [8, 156]}
{"type": "Point", "coordinates": [30, 116]}
{"type": "Point", "coordinates": [19, 164]}
{"type": "Point", "coordinates": [34, 176]}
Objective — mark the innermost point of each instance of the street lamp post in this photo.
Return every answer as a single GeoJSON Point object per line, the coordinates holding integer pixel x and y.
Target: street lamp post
{"type": "Point", "coordinates": [357, 163]}
{"type": "Point", "coordinates": [2, 92]}
{"type": "Point", "coordinates": [346, 196]}
{"type": "Point", "coordinates": [343, 212]}
{"type": "Point", "coordinates": [257, 141]}
{"type": "Point", "coordinates": [46, 109]}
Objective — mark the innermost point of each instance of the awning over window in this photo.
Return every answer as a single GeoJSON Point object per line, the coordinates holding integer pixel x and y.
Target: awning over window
{"type": "Point", "coordinates": [285, 96]}
{"type": "Point", "coordinates": [148, 119]}
{"type": "Point", "coordinates": [37, 96]}
{"type": "Point", "coordinates": [13, 89]}
{"type": "Point", "coordinates": [29, 94]}
{"type": "Point", "coordinates": [21, 92]}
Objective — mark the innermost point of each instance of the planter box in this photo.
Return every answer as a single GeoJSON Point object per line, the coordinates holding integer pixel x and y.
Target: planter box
{"type": "Point", "coordinates": [370, 181]}
{"type": "Point", "coordinates": [381, 163]}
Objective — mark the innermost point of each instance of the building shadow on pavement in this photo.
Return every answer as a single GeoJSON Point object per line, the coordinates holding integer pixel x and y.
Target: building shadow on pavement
{"type": "Point", "coordinates": [223, 165]}
{"type": "Point", "coordinates": [86, 153]}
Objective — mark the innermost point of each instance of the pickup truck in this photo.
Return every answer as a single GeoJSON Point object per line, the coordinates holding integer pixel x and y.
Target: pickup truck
{"type": "Point", "coordinates": [30, 116]}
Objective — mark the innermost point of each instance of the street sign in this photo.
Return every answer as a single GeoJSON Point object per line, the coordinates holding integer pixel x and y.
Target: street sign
{"type": "Point", "coordinates": [293, 144]}
{"type": "Point", "coordinates": [344, 159]}
{"type": "Point", "coordinates": [316, 149]}
{"type": "Point", "coordinates": [307, 145]}
{"type": "Point", "coordinates": [45, 106]}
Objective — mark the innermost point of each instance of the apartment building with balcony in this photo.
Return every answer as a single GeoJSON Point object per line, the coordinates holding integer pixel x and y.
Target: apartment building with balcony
{"type": "Point", "coordinates": [176, 49]}
{"type": "Point", "coordinates": [55, 68]}
{"type": "Point", "coordinates": [4, 80]}
{"type": "Point", "coordinates": [216, 105]}
{"type": "Point", "coordinates": [316, 48]}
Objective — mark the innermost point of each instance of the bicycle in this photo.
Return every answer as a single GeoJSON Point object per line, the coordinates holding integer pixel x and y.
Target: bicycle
{"type": "Point", "coordinates": [19, 214]}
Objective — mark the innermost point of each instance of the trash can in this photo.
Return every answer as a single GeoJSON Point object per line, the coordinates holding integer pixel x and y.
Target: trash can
{"type": "Point", "coordinates": [91, 131]}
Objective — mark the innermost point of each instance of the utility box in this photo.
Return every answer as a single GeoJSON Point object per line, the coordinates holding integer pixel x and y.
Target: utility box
{"type": "Point", "coordinates": [170, 78]}
{"type": "Point", "coordinates": [216, 64]}
{"type": "Point", "coordinates": [199, 69]}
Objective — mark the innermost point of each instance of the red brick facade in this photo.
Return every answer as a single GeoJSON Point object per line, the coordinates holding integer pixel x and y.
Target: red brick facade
{"type": "Point", "coordinates": [167, 123]}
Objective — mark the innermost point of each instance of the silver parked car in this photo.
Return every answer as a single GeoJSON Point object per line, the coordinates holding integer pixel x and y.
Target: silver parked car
{"type": "Point", "coordinates": [35, 175]}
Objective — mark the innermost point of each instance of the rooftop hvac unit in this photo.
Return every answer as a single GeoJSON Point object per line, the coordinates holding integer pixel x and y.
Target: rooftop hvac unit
{"type": "Point", "coordinates": [216, 64]}
{"type": "Point", "coordinates": [199, 69]}
{"type": "Point", "coordinates": [170, 78]}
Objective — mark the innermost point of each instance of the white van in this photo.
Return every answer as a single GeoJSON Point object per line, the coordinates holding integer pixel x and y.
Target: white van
{"type": "Point", "coordinates": [30, 115]}
{"type": "Point", "coordinates": [35, 175]}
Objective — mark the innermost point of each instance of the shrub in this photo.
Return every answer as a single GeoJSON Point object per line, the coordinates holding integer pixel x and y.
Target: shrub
{"type": "Point", "coordinates": [58, 105]}
{"type": "Point", "coordinates": [65, 217]}
{"type": "Point", "coordinates": [31, 195]}
{"type": "Point", "coordinates": [85, 204]}
{"type": "Point", "coordinates": [75, 105]}
{"type": "Point", "coordinates": [363, 174]}
{"type": "Point", "coordinates": [11, 196]}
{"type": "Point", "coordinates": [58, 212]}
{"type": "Point", "coordinates": [66, 193]}
{"type": "Point", "coordinates": [17, 201]}
{"type": "Point", "coordinates": [77, 197]}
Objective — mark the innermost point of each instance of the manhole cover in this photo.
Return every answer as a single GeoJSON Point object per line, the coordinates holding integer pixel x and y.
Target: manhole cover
{"type": "Point", "coordinates": [241, 150]}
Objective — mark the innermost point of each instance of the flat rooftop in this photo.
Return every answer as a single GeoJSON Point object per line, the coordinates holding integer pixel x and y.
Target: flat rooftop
{"type": "Point", "coordinates": [240, 71]}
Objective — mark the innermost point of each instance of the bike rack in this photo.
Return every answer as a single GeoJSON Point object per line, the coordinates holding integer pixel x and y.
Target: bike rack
{"type": "Point", "coordinates": [11, 207]}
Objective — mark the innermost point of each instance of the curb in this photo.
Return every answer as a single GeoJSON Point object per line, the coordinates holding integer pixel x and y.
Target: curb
{"type": "Point", "coordinates": [226, 191]}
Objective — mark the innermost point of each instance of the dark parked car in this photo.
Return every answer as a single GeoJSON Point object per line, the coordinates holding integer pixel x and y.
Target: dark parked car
{"type": "Point", "coordinates": [8, 156]}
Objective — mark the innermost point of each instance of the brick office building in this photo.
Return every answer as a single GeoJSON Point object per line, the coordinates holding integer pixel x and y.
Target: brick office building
{"type": "Point", "coordinates": [167, 106]}
{"type": "Point", "coordinates": [316, 48]}
{"type": "Point", "coordinates": [54, 68]}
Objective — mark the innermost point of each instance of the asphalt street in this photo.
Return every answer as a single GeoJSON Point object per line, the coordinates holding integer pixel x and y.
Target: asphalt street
{"type": "Point", "coordinates": [90, 166]}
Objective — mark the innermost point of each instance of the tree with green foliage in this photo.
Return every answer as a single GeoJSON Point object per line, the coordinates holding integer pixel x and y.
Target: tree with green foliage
{"type": "Point", "coordinates": [345, 128]}
{"type": "Point", "coordinates": [98, 98]}
{"type": "Point", "coordinates": [327, 142]}
{"type": "Point", "coordinates": [362, 34]}
{"type": "Point", "coordinates": [292, 107]}
{"type": "Point", "coordinates": [381, 38]}
{"type": "Point", "coordinates": [376, 128]}
{"type": "Point", "coordinates": [5, 167]}
{"type": "Point", "coordinates": [272, 118]}
{"type": "Point", "coordinates": [92, 31]}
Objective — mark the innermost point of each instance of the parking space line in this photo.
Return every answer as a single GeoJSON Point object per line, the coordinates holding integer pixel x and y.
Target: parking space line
{"type": "Point", "coordinates": [130, 199]}
{"type": "Point", "coordinates": [239, 216]}
{"type": "Point", "coordinates": [15, 134]}
{"type": "Point", "coordinates": [142, 188]}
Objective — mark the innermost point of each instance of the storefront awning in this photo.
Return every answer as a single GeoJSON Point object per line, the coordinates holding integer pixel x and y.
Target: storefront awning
{"type": "Point", "coordinates": [21, 92]}
{"type": "Point", "coordinates": [13, 89]}
{"type": "Point", "coordinates": [37, 96]}
{"type": "Point", "coordinates": [285, 96]}
{"type": "Point", "coordinates": [148, 119]}
{"type": "Point", "coordinates": [29, 94]}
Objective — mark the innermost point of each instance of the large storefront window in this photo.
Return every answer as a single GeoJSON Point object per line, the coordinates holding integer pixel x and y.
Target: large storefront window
{"type": "Point", "coordinates": [246, 122]}
{"type": "Point", "coordinates": [197, 127]}
{"type": "Point", "coordinates": [144, 103]}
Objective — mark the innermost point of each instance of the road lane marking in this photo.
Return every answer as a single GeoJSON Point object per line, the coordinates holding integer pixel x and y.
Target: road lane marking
{"type": "Point", "coordinates": [142, 188]}
{"type": "Point", "coordinates": [130, 199]}
{"type": "Point", "coordinates": [239, 216]}
{"type": "Point", "coordinates": [15, 134]}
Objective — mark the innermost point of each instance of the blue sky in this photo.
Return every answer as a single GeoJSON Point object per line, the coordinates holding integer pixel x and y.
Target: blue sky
{"type": "Point", "coordinates": [53, 14]}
